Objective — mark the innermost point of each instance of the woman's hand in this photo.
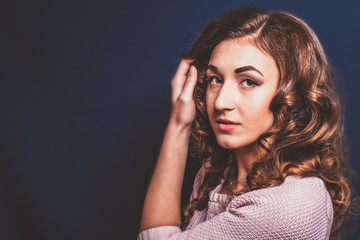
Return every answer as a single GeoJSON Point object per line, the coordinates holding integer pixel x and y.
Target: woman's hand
{"type": "Point", "coordinates": [183, 84]}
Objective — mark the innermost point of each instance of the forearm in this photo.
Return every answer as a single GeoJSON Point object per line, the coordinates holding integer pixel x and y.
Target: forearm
{"type": "Point", "coordinates": [163, 198]}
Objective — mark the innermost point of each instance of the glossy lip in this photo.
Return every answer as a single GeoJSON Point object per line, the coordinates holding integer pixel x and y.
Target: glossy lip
{"type": "Point", "coordinates": [226, 124]}
{"type": "Point", "coordinates": [224, 120]}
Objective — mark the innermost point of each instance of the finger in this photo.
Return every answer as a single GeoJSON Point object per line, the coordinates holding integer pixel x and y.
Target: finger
{"type": "Point", "coordinates": [181, 73]}
{"type": "Point", "coordinates": [183, 68]}
{"type": "Point", "coordinates": [180, 77]}
{"type": "Point", "coordinates": [189, 86]}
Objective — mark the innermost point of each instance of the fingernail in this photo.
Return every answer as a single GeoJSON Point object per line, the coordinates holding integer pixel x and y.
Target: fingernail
{"type": "Point", "coordinates": [192, 70]}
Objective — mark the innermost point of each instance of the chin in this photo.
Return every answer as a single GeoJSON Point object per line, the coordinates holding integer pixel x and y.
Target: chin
{"type": "Point", "coordinates": [229, 143]}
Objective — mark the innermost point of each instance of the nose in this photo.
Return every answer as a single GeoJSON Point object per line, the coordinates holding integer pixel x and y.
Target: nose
{"type": "Point", "coordinates": [225, 98]}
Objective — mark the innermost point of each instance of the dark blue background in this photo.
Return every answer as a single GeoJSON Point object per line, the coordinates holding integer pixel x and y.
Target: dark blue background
{"type": "Point", "coordinates": [85, 98]}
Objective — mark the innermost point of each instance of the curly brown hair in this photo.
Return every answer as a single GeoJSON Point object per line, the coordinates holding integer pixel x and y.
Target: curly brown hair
{"type": "Point", "coordinates": [308, 127]}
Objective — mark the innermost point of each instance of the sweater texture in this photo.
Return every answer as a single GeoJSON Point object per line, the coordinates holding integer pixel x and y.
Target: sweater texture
{"type": "Point", "coordinates": [299, 208]}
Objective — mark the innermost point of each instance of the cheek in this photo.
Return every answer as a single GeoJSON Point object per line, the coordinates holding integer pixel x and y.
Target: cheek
{"type": "Point", "coordinates": [258, 111]}
{"type": "Point", "coordinates": [210, 108]}
{"type": "Point", "coordinates": [209, 103]}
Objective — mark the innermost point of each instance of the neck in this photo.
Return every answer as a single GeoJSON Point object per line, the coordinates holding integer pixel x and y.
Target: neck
{"type": "Point", "coordinates": [245, 157]}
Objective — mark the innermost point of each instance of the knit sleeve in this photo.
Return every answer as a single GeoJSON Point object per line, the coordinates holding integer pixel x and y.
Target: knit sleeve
{"type": "Point", "coordinates": [300, 208]}
{"type": "Point", "coordinates": [297, 209]}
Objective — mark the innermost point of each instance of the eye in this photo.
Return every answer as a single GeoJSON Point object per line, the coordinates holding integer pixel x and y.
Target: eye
{"type": "Point", "coordinates": [248, 83]}
{"type": "Point", "coordinates": [214, 80]}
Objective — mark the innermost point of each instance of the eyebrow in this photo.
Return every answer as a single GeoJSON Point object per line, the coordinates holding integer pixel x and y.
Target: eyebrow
{"type": "Point", "coordinates": [238, 70]}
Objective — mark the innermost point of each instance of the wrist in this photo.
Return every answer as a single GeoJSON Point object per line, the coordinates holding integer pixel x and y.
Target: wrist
{"type": "Point", "coordinates": [176, 126]}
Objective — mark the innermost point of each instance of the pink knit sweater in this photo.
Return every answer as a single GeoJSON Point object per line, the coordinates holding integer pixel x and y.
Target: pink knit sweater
{"type": "Point", "coordinates": [300, 208]}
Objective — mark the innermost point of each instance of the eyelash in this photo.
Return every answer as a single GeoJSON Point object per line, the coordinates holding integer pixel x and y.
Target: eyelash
{"type": "Point", "coordinates": [250, 81]}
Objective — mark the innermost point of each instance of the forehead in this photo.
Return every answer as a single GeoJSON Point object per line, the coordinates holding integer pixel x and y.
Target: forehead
{"type": "Point", "coordinates": [234, 53]}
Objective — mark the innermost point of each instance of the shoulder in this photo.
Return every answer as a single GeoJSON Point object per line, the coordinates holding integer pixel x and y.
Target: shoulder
{"type": "Point", "coordinates": [199, 177]}
{"type": "Point", "coordinates": [297, 204]}
{"type": "Point", "coordinates": [293, 189]}
{"type": "Point", "coordinates": [197, 182]}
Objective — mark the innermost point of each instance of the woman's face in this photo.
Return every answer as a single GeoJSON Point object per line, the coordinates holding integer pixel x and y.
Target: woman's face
{"type": "Point", "coordinates": [242, 82]}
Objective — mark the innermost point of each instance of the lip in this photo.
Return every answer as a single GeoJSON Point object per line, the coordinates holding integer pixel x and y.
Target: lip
{"type": "Point", "coordinates": [226, 124]}
{"type": "Point", "coordinates": [224, 120]}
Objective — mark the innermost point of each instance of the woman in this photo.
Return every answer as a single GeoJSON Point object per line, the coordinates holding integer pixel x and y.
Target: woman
{"type": "Point", "coordinates": [256, 98]}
